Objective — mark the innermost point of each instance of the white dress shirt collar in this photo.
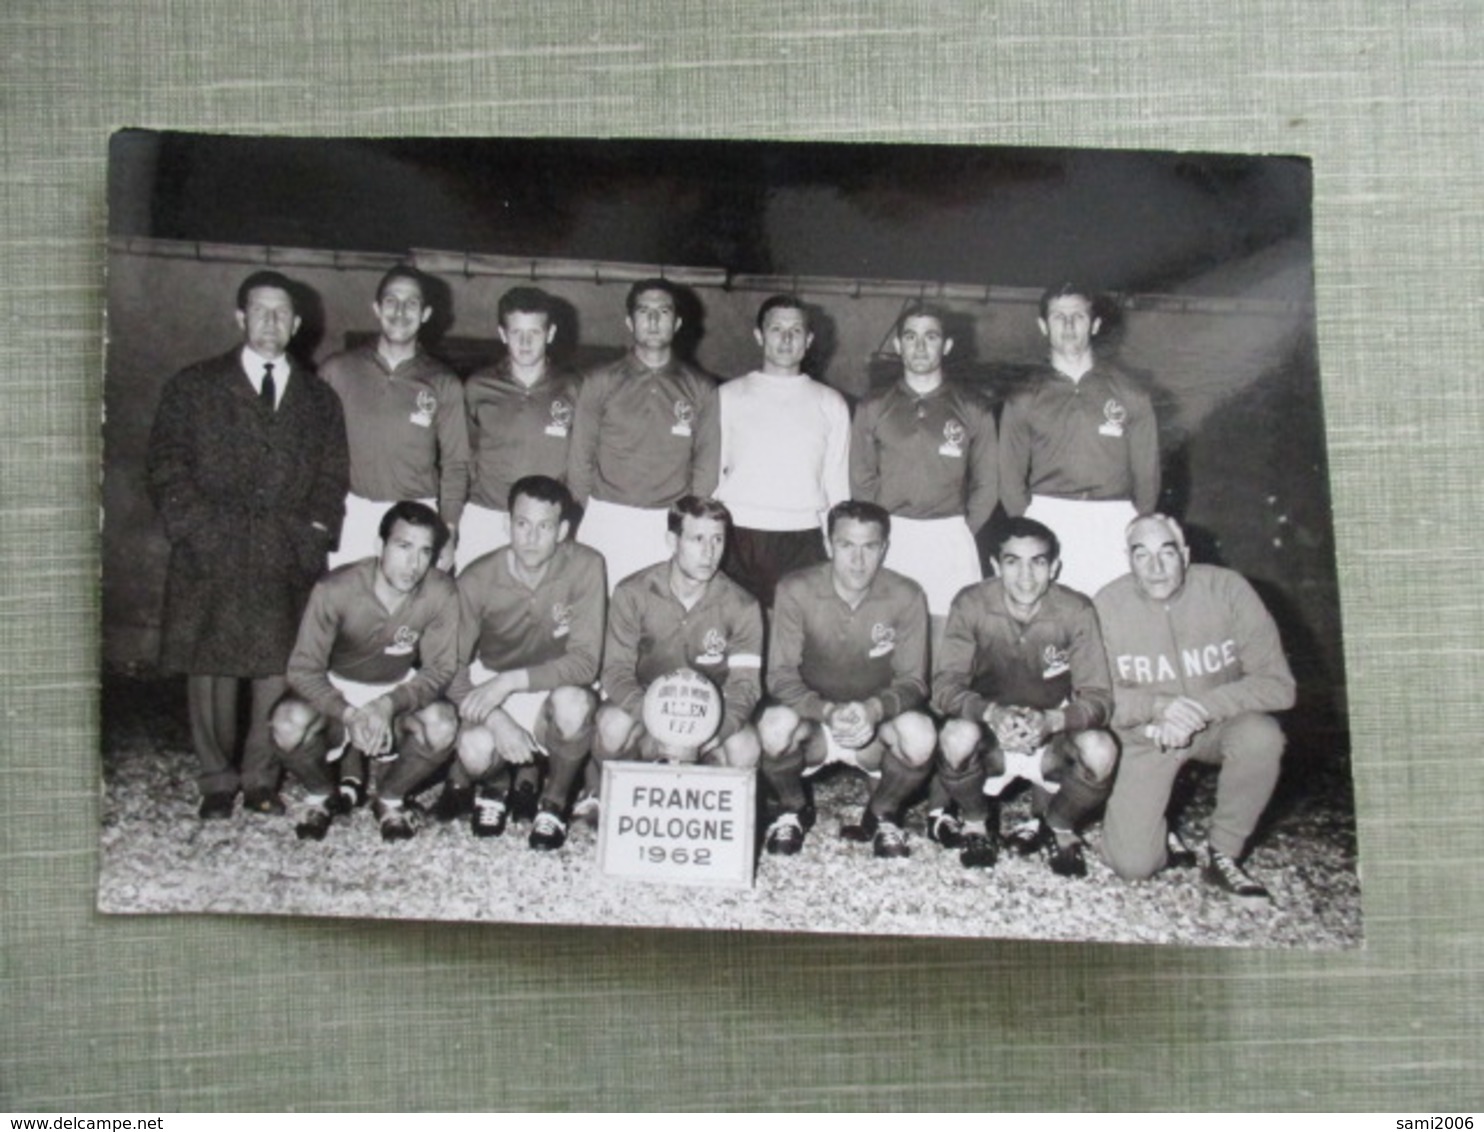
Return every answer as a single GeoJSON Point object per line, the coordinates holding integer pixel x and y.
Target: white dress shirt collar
{"type": "Point", "coordinates": [252, 365]}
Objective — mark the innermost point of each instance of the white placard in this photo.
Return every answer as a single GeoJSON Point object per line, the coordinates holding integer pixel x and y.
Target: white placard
{"type": "Point", "coordinates": [678, 824]}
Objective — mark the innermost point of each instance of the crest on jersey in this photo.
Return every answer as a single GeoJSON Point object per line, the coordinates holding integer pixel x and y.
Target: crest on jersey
{"type": "Point", "coordinates": [713, 647]}
{"type": "Point", "coordinates": [561, 619]}
{"type": "Point", "coordinates": [561, 418]}
{"type": "Point", "coordinates": [883, 640]}
{"type": "Point", "coordinates": [685, 415]}
{"type": "Point", "coordinates": [427, 405]}
{"type": "Point", "coordinates": [1114, 418]}
{"type": "Point", "coordinates": [403, 641]}
{"type": "Point", "coordinates": [1056, 662]}
{"type": "Point", "coordinates": [954, 435]}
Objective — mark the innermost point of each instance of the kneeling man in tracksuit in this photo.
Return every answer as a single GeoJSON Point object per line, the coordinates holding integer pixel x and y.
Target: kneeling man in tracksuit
{"type": "Point", "coordinates": [1198, 668]}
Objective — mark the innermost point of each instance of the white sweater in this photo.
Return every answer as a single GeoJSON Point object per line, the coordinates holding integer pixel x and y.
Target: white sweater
{"type": "Point", "coordinates": [785, 451]}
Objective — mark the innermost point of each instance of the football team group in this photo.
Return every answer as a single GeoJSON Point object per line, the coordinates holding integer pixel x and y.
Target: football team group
{"type": "Point", "coordinates": [469, 586]}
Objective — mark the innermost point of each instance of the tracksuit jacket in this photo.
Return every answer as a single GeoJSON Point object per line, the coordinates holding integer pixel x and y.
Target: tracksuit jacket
{"type": "Point", "coordinates": [1214, 642]}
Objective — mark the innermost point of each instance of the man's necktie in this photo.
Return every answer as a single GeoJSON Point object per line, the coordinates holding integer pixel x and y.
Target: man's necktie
{"type": "Point", "coordinates": [268, 393]}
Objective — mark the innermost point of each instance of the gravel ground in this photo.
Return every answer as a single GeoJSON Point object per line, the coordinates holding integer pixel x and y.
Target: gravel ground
{"type": "Point", "coordinates": [158, 857]}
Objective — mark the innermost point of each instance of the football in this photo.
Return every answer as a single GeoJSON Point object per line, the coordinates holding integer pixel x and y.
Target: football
{"type": "Point", "coordinates": [682, 710]}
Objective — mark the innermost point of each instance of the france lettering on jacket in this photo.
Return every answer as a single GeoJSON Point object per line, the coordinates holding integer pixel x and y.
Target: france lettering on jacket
{"type": "Point", "coordinates": [1205, 660]}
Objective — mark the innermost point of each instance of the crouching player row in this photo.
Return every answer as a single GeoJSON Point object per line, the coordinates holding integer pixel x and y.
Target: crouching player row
{"type": "Point", "coordinates": [1025, 685]}
{"type": "Point", "coordinates": [1178, 662]}
{"type": "Point", "coordinates": [534, 615]}
{"type": "Point", "coordinates": [515, 645]}
{"type": "Point", "coordinates": [1022, 683]}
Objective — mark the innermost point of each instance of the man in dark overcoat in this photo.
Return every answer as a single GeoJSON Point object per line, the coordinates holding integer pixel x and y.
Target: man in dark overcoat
{"type": "Point", "coordinates": [248, 468]}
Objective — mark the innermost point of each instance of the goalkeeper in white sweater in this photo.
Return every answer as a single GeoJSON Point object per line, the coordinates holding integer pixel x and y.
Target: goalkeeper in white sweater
{"type": "Point", "coordinates": [785, 455]}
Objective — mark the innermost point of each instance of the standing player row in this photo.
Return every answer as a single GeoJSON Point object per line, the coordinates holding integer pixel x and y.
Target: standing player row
{"type": "Point", "coordinates": [1077, 447]}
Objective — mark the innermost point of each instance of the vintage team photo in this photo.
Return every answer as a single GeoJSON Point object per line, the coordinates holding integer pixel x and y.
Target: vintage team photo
{"type": "Point", "coordinates": [868, 539]}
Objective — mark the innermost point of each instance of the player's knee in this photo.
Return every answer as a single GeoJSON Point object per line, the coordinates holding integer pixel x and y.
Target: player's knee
{"type": "Point", "coordinates": [440, 727]}
{"type": "Point", "coordinates": [742, 749]}
{"type": "Point", "coordinates": [291, 723]}
{"type": "Point", "coordinates": [614, 729]}
{"type": "Point", "coordinates": [911, 737]}
{"type": "Point", "coordinates": [957, 741]}
{"type": "Point", "coordinates": [1097, 755]}
{"type": "Point", "coordinates": [1133, 848]}
{"type": "Point", "coordinates": [1133, 862]}
{"type": "Point", "coordinates": [571, 710]}
{"type": "Point", "coordinates": [1254, 737]}
{"type": "Point", "coordinates": [476, 747]}
{"type": "Point", "coordinates": [776, 730]}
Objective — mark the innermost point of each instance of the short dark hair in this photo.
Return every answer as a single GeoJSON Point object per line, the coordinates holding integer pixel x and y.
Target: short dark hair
{"type": "Point", "coordinates": [859, 511]}
{"type": "Point", "coordinates": [782, 302]}
{"type": "Point", "coordinates": [267, 279]}
{"type": "Point", "coordinates": [415, 514]}
{"type": "Point", "coordinates": [543, 489]}
{"type": "Point", "coordinates": [655, 284]}
{"type": "Point", "coordinates": [408, 272]}
{"type": "Point", "coordinates": [1021, 527]}
{"type": "Point", "coordinates": [1066, 289]}
{"type": "Point", "coordinates": [697, 507]}
{"type": "Point", "coordinates": [524, 300]}
{"type": "Point", "coordinates": [921, 308]}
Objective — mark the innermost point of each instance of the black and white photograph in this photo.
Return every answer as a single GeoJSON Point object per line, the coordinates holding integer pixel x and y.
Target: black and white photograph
{"type": "Point", "coordinates": [858, 539]}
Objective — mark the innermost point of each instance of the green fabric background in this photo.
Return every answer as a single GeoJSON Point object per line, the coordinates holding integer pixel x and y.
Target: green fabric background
{"type": "Point", "coordinates": [200, 1012]}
